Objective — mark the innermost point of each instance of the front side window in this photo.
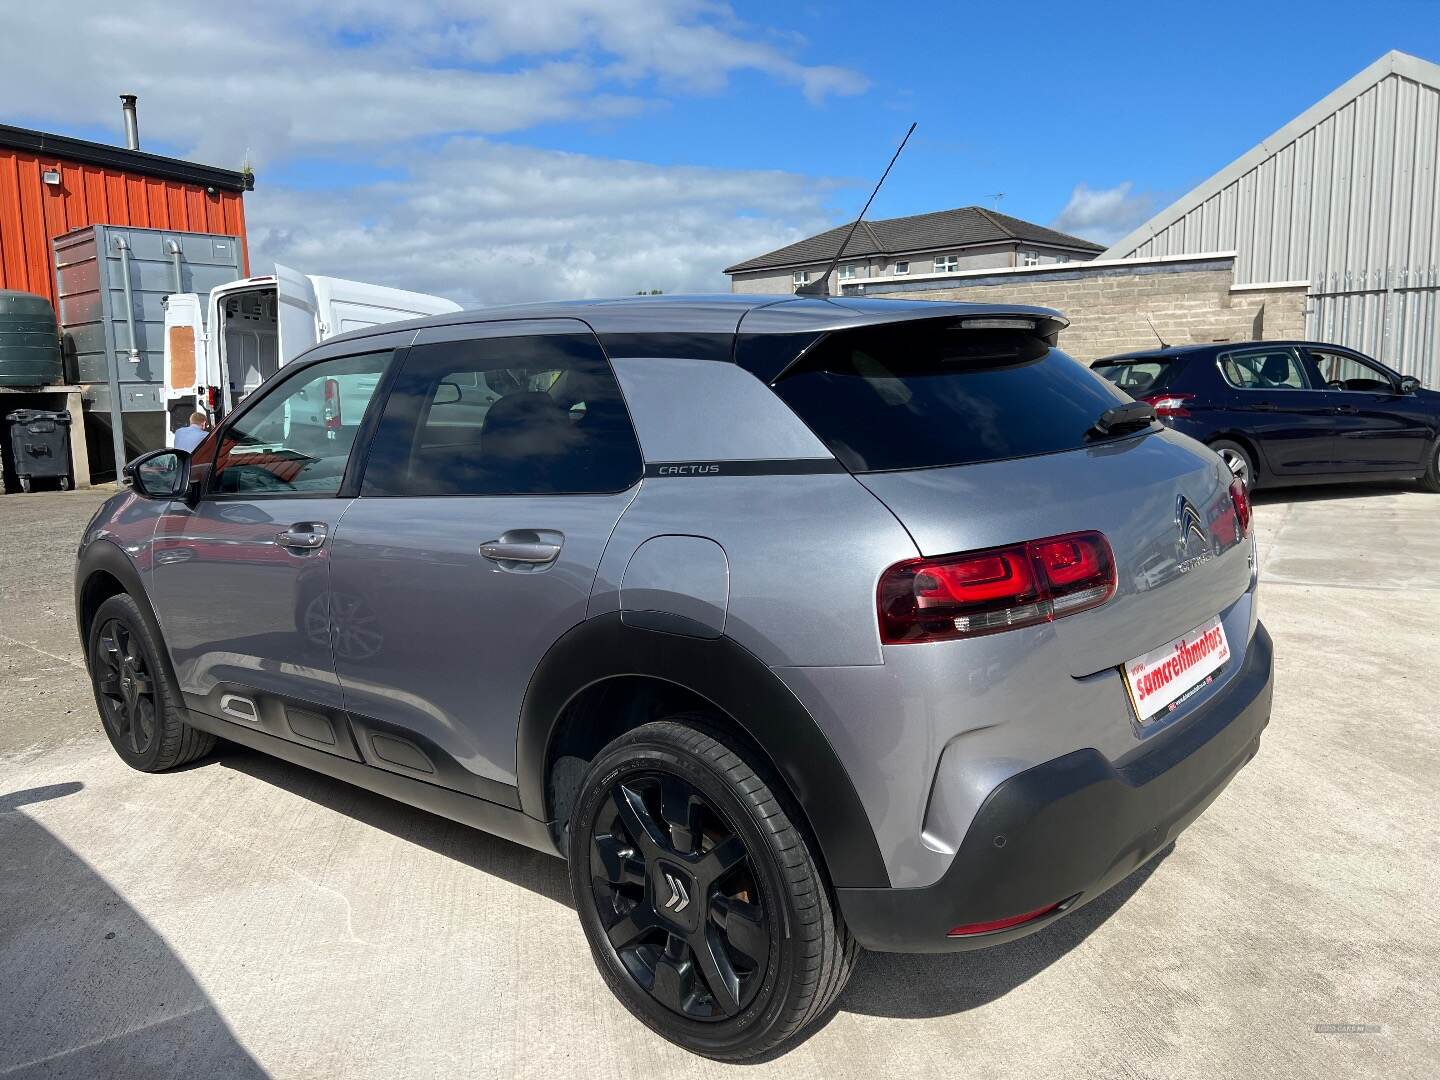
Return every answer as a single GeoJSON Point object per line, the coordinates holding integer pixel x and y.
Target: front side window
{"type": "Point", "coordinates": [944, 264]}
{"type": "Point", "coordinates": [1264, 369]}
{"type": "Point", "coordinates": [297, 438]}
{"type": "Point", "coordinates": [1341, 372]}
{"type": "Point", "coordinates": [531, 415]}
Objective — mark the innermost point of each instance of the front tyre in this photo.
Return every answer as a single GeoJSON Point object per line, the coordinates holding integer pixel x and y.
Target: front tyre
{"type": "Point", "coordinates": [139, 703]}
{"type": "Point", "coordinates": [1431, 480]}
{"type": "Point", "coordinates": [705, 909]}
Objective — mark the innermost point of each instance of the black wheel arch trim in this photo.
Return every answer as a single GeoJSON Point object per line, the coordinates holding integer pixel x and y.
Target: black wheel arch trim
{"type": "Point", "coordinates": [105, 556]}
{"type": "Point", "coordinates": [734, 681]}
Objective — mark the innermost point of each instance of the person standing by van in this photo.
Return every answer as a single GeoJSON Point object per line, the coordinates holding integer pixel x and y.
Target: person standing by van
{"type": "Point", "coordinates": [193, 434]}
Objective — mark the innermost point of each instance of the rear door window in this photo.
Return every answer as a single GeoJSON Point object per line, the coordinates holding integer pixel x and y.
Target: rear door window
{"type": "Point", "coordinates": [917, 396]}
{"type": "Point", "coordinates": [521, 415]}
{"type": "Point", "coordinates": [1264, 369]}
{"type": "Point", "coordinates": [1138, 377]}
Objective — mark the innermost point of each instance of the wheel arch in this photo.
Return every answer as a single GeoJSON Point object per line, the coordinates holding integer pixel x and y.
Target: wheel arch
{"type": "Point", "coordinates": [103, 571]}
{"type": "Point", "coordinates": [1257, 460]}
{"type": "Point", "coordinates": [604, 678]}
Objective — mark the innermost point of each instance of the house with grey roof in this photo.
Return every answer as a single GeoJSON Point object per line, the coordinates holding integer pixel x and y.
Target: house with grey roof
{"type": "Point", "coordinates": [919, 246]}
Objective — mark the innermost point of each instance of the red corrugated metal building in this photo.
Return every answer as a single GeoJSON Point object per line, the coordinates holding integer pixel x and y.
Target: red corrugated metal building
{"type": "Point", "coordinates": [51, 184]}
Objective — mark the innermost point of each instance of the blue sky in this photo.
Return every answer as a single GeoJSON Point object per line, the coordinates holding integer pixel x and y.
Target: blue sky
{"type": "Point", "coordinates": [497, 151]}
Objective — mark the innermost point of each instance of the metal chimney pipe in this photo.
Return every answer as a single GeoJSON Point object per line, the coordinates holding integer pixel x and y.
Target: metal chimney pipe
{"type": "Point", "coordinates": [132, 126]}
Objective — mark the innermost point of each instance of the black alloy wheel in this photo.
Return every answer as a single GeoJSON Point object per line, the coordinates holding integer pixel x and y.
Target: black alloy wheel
{"type": "Point", "coordinates": [679, 900]}
{"type": "Point", "coordinates": [141, 709]}
{"type": "Point", "coordinates": [707, 910]}
{"type": "Point", "coordinates": [125, 688]}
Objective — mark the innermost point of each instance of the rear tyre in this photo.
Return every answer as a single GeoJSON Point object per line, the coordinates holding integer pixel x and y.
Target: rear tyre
{"type": "Point", "coordinates": [1237, 459]}
{"type": "Point", "coordinates": [1431, 480]}
{"type": "Point", "coordinates": [140, 705]}
{"type": "Point", "coordinates": [706, 911]}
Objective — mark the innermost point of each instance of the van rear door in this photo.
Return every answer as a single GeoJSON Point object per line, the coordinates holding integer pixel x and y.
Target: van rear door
{"type": "Point", "coordinates": [297, 312]}
{"type": "Point", "coordinates": [184, 358]}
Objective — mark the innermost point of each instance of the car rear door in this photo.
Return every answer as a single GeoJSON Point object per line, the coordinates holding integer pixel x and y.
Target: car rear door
{"type": "Point", "coordinates": [1293, 424]}
{"type": "Point", "coordinates": [1377, 429]}
{"type": "Point", "coordinates": [502, 462]}
{"type": "Point", "coordinates": [240, 580]}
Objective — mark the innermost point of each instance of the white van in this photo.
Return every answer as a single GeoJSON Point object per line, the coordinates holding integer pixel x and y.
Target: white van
{"type": "Point", "coordinates": [219, 349]}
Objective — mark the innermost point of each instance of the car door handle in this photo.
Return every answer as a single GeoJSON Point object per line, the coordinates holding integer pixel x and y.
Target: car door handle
{"type": "Point", "coordinates": [526, 551]}
{"type": "Point", "coordinates": [1263, 406]}
{"type": "Point", "coordinates": [1346, 409]}
{"type": "Point", "coordinates": [303, 535]}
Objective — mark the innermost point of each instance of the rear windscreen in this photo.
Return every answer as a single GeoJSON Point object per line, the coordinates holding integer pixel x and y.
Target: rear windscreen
{"type": "Point", "coordinates": [914, 397]}
{"type": "Point", "coordinates": [1139, 376]}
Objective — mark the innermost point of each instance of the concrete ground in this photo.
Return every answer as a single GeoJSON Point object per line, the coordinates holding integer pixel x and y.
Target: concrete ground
{"type": "Point", "coordinates": [245, 918]}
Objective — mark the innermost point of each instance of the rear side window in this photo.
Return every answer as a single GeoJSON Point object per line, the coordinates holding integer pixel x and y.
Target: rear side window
{"type": "Point", "coordinates": [913, 397]}
{"type": "Point", "coordinates": [1264, 369]}
{"type": "Point", "coordinates": [531, 415]}
{"type": "Point", "coordinates": [1138, 377]}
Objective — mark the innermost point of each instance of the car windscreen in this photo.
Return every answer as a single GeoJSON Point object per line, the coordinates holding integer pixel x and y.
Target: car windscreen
{"type": "Point", "coordinates": [1138, 376]}
{"type": "Point", "coordinates": [913, 396]}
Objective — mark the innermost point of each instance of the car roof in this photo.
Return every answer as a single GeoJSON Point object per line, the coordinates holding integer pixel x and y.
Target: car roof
{"type": "Point", "coordinates": [721, 313]}
{"type": "Point", "coordinates": [1175, 352]}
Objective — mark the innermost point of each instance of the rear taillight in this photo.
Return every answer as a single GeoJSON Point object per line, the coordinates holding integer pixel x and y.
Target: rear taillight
{"type": "Point", "coordinates": [1240, 496]}
{"type": "Point", "coordinates": [985, 592]}
{"type": "Point", "coordinates": [1169, 404]}
{"type": "Point", "coordinates": [333, 419]}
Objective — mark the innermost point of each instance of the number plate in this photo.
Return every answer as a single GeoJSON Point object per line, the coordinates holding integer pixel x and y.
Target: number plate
{"type": "Point", "coordinates": [1160, 680]}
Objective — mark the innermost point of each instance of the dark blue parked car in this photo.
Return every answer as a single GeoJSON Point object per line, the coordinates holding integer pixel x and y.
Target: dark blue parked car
{"type": "Point", "coordinates": [1290, 412]}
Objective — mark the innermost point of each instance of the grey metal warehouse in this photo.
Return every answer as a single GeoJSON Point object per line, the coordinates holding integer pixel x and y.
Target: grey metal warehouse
{"type": "Point", "coordinates": [1328, 230]}
{"type": "Point", "coordinates": [1345, 199]}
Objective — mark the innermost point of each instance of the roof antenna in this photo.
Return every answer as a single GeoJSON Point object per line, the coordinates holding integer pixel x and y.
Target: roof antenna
{"type": "Point", "coordinates": [821, 286]}
{"type": "Point", "coordinates": [1158, 338]}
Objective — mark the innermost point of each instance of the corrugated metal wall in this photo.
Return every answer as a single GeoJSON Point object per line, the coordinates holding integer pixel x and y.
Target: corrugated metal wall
{"type": "Point", "coordinates": [1351, 205]}
{"type": "Point", "coordinates": [33, 213]}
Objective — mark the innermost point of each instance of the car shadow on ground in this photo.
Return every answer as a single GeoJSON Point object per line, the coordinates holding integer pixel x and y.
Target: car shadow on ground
{"type": "Point", "coordinates": [87, 987]}
{"type": "Point", "coordinates": [1331, 492]}
{"type": "Point", "coordinates": [540, 873]}
{"type": "Point", "coordinates": [884, 984]}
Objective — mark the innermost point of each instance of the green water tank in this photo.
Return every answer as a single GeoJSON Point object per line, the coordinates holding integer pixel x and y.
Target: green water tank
{"type": "Point", "coordinates": [29, 341]}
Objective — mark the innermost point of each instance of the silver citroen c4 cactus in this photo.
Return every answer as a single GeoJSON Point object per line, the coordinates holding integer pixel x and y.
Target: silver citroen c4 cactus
{"type": "Point", "coordinates": [794, 625]}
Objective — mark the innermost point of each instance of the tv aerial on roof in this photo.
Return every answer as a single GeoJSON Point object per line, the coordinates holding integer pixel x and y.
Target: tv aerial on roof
{"type": "Point", "coordinates": [821, 285]}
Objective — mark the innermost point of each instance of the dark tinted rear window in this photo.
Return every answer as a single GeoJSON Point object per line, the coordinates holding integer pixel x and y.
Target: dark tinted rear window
{"type": "Point", "coordinates": [1139, 376]}
{"type": "Point", "coordinates": [908, 397]}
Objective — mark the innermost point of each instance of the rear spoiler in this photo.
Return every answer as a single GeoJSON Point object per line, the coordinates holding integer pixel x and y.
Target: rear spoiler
{"type": "Point", "coordinates": [772, 356]}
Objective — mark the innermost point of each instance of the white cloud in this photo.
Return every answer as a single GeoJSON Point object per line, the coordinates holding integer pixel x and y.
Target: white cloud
{"type": "Point", "coordinates": [1104, 214]}
{"type": "Point", "coordinates": [375, 82]}
{"type": "Point", "coordinates": [492, 224]}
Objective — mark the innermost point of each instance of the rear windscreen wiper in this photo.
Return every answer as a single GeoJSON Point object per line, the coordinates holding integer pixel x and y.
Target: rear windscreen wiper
{"type": "Point", "coordinates": [1122, 419]}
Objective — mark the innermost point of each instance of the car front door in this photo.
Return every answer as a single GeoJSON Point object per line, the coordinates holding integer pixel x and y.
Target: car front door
{"type": "Point", "coordinates": [501, 463]}
{"type": "Point", "coordinates": [238, 579]}
{"type": "Point", "coordinates": [1378, 429]}
{"type": "Point", "coordinates": [1292, 423]}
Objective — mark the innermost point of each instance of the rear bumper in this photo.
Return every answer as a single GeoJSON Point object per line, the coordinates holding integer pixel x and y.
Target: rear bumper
{"type": "Point", "coordinates": [1065, 831]}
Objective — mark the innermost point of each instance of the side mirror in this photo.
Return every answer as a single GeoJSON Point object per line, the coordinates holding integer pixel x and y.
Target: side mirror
{"type": "Point", "coordinates": [1409, 384]}
{"type": "Point", "coordinates": [160, 474]}
{"type": "Point", "coordinates": [447, 393]}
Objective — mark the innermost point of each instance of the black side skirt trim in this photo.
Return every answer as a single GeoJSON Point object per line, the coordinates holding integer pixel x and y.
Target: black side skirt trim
{"type": "Point", "coordinates": [466, 809]}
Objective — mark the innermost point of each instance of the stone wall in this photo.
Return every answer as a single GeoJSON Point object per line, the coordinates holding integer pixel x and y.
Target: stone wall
{"type": "Point", "coordinates": [1110, 305]}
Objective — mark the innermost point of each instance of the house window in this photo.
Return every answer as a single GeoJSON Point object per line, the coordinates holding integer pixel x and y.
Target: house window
{"type": "Point", "coordinates": [1029, 258]}
{"type": "Point", "coordinates": [851, 271]}
{"type": "Point", "coordinates": [902, 267]}
{"type": "Point", "coordinates": [800, 277]}
{"type": "Point", "coordinates": [947, 264]}
{"type": "Point", "coordinates": [1062, 258]}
